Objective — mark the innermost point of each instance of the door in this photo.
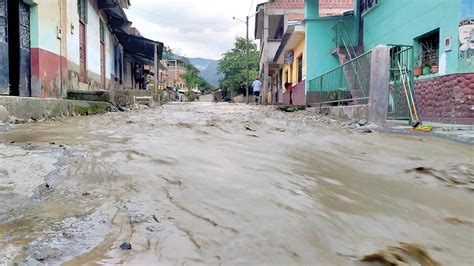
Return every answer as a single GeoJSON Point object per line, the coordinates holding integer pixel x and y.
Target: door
{"type": "Point", "coordinates": [4, 64]}
{"type": "Point", "coordinates": [82, 52]}
{"type": "Point", "coordinates": [24, 83]}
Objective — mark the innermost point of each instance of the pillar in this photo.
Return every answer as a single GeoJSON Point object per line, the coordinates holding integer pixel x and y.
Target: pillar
{"type": "Point", "coordinates": [379, 84]}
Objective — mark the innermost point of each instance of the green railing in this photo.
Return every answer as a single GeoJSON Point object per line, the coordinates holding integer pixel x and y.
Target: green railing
{"type": "Point", "coordinates": [347, 84]}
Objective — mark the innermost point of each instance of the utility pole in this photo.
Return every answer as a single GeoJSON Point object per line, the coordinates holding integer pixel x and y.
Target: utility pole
{"type": "Point", "coordinates": [248, 61]}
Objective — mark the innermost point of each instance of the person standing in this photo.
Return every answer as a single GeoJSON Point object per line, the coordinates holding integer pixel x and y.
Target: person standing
{"type": "Point", "coordinates": [257, 86]}
{"type": "Point", "coordinates": [137, 75]}
{"type": "Point", "coordinates": [289, 89]}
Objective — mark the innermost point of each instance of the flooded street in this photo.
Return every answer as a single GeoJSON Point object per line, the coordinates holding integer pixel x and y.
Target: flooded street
{"type": "Point", "coordinates": [231, 184]}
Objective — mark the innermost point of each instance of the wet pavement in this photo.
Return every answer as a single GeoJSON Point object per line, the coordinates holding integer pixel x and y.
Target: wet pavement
{"type": "Point", "coordinates": [231, 184]}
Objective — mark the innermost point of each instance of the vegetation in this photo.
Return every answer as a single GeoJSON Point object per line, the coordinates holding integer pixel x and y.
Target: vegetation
{"type": "Point", "coordinates": [233, 68]}
{"type": "Point", "coordinates": [192, 78]}
{"type": "Point", "coordinates": [167, 53]}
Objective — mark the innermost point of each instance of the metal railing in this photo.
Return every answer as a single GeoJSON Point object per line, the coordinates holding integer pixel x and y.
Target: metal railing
{"type": "Point", "coordinates": [401, 100]}
{"type": "Point", "coordinates": [343, 85]}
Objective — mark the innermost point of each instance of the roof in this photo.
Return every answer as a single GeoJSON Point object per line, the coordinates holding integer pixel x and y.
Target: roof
{"type": "Point", "coordinates": [140, 46]}
{"type": "Point", "coordinates": [134, 45]}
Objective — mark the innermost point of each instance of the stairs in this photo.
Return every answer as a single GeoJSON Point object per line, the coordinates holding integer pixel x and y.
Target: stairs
{"type": "Point", "coordinates": [356, 68]}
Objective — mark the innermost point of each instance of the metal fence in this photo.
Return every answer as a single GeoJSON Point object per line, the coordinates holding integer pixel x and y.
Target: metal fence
{"type": "Point", "coordinates": [401, 83]}
{"type": "Point", "coordinates": [347, 84]}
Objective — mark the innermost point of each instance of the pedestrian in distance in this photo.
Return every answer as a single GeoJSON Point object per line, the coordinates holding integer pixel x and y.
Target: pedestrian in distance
{"type": "Point", "coordinates": [256, 86]}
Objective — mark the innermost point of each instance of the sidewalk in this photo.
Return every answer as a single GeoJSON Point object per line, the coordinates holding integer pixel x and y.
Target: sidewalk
{"type": "Point", "coordinates": [459, 133]}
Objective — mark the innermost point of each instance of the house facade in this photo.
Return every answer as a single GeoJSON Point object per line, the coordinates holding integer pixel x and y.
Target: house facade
{"type": "Point", "coordinates": [172, 77]}
{"type": "Point", "coordinates": [272, 20]}
{"type": "Point", "coordinates": [66, 45]}
{"type": "Point", "coordinates": [439, 35]}
{"type": "Point", "coordinates": [291, 57]}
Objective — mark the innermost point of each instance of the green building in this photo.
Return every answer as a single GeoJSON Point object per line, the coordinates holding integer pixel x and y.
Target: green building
{"type": "Point", "coordinates": [440, 34]}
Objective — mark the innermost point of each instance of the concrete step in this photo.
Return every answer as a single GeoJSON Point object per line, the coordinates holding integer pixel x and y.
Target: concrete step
{"type": "Point", "coordinates": [145, 100]}
{"type": "Point", "coordinates": [96, 96]}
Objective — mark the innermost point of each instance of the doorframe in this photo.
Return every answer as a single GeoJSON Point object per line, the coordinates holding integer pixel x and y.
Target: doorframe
{"type": "Point", "coordinates": [82, 23]}
{"type": "Point", "coordinates": [103, 56]}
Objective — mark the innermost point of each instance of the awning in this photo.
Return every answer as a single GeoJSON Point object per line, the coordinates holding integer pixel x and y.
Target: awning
{"type": "Point", "coordinates": [293, 35]}
{"type": "Point", "coordinates": [117, 19]}
{"type": "Point", "coordinates": [139, 46]}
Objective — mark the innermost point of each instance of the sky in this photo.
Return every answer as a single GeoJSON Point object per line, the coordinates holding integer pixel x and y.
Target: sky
{"type": "Point", "coordinates": [193, 28]}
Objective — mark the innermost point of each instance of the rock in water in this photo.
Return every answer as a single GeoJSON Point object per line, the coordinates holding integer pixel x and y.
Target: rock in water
{"type": "Point", "coordinates": [4, 115]}
{"type": "Point", "coordinates": [126, 246]}
{"type": "Point", "coordinates": [363, 122]}
{"type": "Point", "coordinates": [366, 131]}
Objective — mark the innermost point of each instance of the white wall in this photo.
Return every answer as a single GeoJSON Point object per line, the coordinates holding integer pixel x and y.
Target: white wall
{"type": "Point", "coordinates": [72, 32]}
{"type": "Point", "coordinates": [93, 40]}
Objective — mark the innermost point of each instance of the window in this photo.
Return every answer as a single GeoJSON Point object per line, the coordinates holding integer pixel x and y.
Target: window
{"type": "Point", "coordinates": [367, 5]}
{"type": "Point", "coordinates": [300, 68]}
{"type": "Point", "coordinates": [102, 31]}
{"type": "Point", "coordinates": [118, 63]}
{"type": "Point", "coordinates": [82, 10]}
{"type": "Point", "coordinates": [428, 49]}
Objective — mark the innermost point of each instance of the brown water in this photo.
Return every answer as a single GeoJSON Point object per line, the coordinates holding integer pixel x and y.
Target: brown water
{"type": "Point", "coordinates": [231, 184]}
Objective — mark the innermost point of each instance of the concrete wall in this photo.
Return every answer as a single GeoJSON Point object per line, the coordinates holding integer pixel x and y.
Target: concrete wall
{"type": "Point", "coordinates": [298, 96]}
{"type": "Point", "coordinates": [48, 65]}
{"type": "Point", "coordinates": [34, 108]}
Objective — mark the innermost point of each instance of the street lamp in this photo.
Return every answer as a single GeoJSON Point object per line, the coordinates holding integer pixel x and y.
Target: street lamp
{"type": "Point", "coordinates": [246, 22]}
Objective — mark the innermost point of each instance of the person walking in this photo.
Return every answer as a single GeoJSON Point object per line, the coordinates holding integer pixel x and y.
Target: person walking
{"type": "Point", "coordinates": [256, 86]}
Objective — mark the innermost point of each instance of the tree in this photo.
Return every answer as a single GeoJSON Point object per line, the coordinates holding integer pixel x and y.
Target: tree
{"type": "Point", "coordinates": [168, 53]}
{"type": "Point", "coordinates": [233, 66]}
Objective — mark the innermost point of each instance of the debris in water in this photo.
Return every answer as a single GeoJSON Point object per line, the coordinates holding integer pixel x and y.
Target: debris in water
{"type": "Point", "coordinates": [366, 131]}
{"type": "Point", "coordinates": [126, 246]}
{"type": "Point", "coordinates": [405, 254]}
{"type": "Point", "coordinates": [363, 122]}
{"type": "Point", "coordinates": [86, 194]}
{"type": "Point", "coordinates": [156, 219]}
{"type": "Point", "coordinates": [249, 129]}
{"type": "Point", "coordinates": [292, 108]}
{"type": "Point", "coordinates": [458, 221]}
{"type": "Point", "coordinates": [52, 143]}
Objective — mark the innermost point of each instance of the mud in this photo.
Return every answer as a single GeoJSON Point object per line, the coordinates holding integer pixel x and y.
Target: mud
{"type": "Point", "coordinates": [231, 184]}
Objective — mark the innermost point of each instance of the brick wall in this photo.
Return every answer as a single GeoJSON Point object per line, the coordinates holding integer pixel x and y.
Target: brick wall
{"type": "Point", "coordinates": [349, 4]}
{"type": "Point", "coordinates": [286, 4]}
{"type": "Point", "coordinates": [447, 99]}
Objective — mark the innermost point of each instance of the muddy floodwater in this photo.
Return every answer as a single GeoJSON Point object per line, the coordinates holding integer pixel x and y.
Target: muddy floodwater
{"type": "Point", "coordinates": [213, 184]}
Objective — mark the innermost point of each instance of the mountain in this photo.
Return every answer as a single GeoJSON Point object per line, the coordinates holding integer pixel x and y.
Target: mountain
{"type": "Point", "coordinates": [208, 68]}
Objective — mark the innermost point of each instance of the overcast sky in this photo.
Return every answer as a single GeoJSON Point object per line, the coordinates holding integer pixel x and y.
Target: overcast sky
{"type": "Point", "coordinates": [194, 28]}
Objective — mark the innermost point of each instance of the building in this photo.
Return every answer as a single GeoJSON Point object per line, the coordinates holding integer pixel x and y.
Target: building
{"type": "Point", "coordinates": [173, 75]}
{"type": "Point", "coordinates": [67, 45]}
{"type": "Point", "coordinates": [272, 21]}
{"type": "Point", "coordinates": [436, 37]}
{"type": "Point", "coordinates": [291, 59]}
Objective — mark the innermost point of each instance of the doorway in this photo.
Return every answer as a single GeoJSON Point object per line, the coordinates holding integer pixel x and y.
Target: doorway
{"type": "Point", "coordinates": [15, 48]}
